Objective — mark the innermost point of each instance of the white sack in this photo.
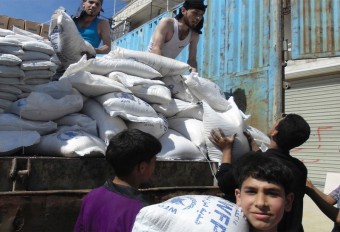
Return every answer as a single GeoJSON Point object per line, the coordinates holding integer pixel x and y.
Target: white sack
{"type": "Point", "coordinates": [66, 40]}
{"type": "Point", "coordinates": [10, 80]}
{"type": "Point", "coordinates": [32, 55]}
{"type": "Point", "coordinates": [8, 96]}
{"type": "Point", "coordinates": [230, 122]}
{"type": "Point", "coordinates": [191, 129]}
{"type": "Point", "coordinates": [21, 38]}
{"type": "Point", "coordinates": [191, 213]}
{"type": "Point", "coordinates": [38, 46]}
{"type": "Point", "coordinates": [11, 49]}
{"type": "Point", "coordinates": [164, 65]}
{"type": "Point", "coordinates": [4, 104]}
{"type": "Point", "coordinates": [10, 89]}
{"type": "Point", "coordinates": [37, 65]}
{"type": "Point", "coordinates": [179, 89]}
{"type": "Point", "coordinates": [43, 107]}
{"type": "Point", "coordinates": [35, 81]}
{"type": "Point", "coordinates": [9, 41]}
{"type": "Point", "coordinates": [128, 106]}
{"type": "Point", "coordinates": [153, 94]}
{"type": "Point", "coordinates": [103, 67]}
{"type": "Point", "coordinates": [129, 80]}
{"type": "Point", "coordinates": [11, 71]}
{"type": "Point", "coordinates": [156, 129]}
{"type": "Point", "coordinates": [195, 112]}
{"type": "Point", "coordinates": [37, 74]}
{"type": "Point", "coordinates": [13, 141]}
{"type": "Point", "coordinates": [4, 32]}
{"type": "Point", "coordinates": [11, 122]}
{"type": "Point", "coordinates": [56, 89]}
{"type": "Point", "coordinates": [206, 90]}
{"type": "Point", "coordinates": [260, 138]}
{"type": "Point", "coordinates": [92, 85]}
{"type": "Point", "coordinates": [26, 33]}
{"type": "Point", "coordinates": [107, 126]}
{"type": "Point", "coordinates": [10, 60]}
{"type": "Point", "coordinates": [70, 142]}
{"type": "Point", "coordinates": [84, 122]}
{"type": "Point", "coordinates": [176, 147]}
{"type": "Point", "coordinates": [174, 107]}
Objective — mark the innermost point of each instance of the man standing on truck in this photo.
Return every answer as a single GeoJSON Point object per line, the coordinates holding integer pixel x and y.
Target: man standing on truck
{"type": "Point", "coordinates": [93, 29]}
{"type": "Point", "coordinates": [172, 35]}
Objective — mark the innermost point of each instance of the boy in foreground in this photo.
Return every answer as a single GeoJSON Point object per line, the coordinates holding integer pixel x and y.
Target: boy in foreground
{"type": "Point", "coordinates": [114, 206]}
{"type": "Point", "coordinates": [264, 191]}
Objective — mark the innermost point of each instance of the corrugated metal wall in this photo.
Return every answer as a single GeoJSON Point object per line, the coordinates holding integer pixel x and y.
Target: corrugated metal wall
{"type": "Point", "coordinates": [240, 49]}
{"type": "Point", "coordinates": [317, 100]}
{"type": "Point", "coordinates": [315, 28]}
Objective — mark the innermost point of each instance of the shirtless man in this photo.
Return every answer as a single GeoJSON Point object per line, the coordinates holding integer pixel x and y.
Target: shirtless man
{"type": "Point", "coordinates": [172, 35]}
{"type": "Point", "coordinates": [93, 29]}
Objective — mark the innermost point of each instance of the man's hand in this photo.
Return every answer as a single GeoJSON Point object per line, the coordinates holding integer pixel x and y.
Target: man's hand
{"type": "Point", "coordinates": [221, 141]}
{"type": "Point", "coordinates": [252, 144]}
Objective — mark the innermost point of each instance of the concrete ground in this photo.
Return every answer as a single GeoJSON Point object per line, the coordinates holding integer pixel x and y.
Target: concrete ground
{"type": "Point", "coordinates": [313, 219]}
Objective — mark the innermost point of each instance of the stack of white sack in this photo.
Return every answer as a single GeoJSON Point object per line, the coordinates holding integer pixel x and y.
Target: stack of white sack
{"type": "Point", "coordinates": [194, 213]}
{"type": "Point", "coordinates": [113, 94]}
{"type": "Point", "coordinates": [26, 59]}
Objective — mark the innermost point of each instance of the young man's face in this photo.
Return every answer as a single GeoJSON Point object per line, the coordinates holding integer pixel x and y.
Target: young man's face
{"type": "Point", "coordinates": [263, 203]}
{"type": "Point", "coordinates": [92, 7]}
{"type": "Point", "coordinates": [192, 17]}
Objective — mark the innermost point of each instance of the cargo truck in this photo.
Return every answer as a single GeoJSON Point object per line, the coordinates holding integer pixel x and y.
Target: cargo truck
{"type": "Point", "coordinates": [242, 49]}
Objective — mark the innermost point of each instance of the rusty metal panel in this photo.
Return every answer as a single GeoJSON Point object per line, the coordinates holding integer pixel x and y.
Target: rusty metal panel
{"type": "Point", "coordinates": [56, 211]}
{"type": "Point", "coordinates": [240, 50]}
{"type": "Point", "coordinates": [315, 28]}
{"type": "Point", "coordinates": [53, 173]}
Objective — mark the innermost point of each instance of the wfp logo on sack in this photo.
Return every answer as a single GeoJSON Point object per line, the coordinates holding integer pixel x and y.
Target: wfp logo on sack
{"type": "Point", "coordinates": [22, 102]}
{"type": "Point", "coordinates": [57, 29]}
{"type": "Point", "coordinates": [67, 135]}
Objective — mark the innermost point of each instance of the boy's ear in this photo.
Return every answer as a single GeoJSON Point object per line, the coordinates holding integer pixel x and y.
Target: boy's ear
{"type": "Point", "coordinates": [289, 202]}
{"type": "Point", "coordinates": [141, 167]}
{"type": "Point", "coordinates": [238, 197]}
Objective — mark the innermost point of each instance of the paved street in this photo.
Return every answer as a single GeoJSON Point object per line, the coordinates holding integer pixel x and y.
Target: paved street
{"type": "Point", "coordinates": [313, 219]}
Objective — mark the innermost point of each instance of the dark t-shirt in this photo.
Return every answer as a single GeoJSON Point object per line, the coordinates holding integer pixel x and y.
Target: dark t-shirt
{"type": "Point", "coordinates": [292, 221]}
{"type": "Point", "coordinates": [109, 208]}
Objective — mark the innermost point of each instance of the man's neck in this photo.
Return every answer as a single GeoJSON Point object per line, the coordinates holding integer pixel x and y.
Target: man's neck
{"type": "Point", "coordinates": [126, 182]}
{"type": "Point", "coordinates": [183, 29]}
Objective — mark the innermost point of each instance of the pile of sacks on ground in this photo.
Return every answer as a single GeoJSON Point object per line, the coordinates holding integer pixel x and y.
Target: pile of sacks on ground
{"type": "Point", "coordinates": [97, 98]}
{"type": "Point", "coordinates": [26, 60]}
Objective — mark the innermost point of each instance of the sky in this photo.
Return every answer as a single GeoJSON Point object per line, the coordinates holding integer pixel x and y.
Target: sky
{"type": "Point", "coordinates": [40, 11]}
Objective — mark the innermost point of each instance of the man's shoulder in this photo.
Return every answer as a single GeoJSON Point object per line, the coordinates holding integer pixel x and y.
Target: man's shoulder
{"type": "Point", "coordinates": [166, 22]}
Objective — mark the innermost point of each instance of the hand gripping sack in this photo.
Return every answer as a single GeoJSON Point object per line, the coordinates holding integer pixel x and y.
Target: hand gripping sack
{"type": "Point", "coordinates": [194, 213]}
{"type": "Point", "coordinates": [66, 40]}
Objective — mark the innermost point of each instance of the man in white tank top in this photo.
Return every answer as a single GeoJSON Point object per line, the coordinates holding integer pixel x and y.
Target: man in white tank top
{"type": "Point", "coordinates": [173, 34]}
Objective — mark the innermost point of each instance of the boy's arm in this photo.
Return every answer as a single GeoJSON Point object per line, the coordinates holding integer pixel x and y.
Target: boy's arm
{"type": "Point", "coordinates": [224, 175]}
{"type": "Point", "coordinates": [323, 201]}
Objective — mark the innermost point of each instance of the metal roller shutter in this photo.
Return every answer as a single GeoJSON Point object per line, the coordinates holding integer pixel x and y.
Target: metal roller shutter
{"type": "Point", "coordinates": [318, 101]}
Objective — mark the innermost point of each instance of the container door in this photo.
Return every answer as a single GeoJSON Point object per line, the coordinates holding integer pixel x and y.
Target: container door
{"type": "Point", "coordinates": [315, 28]}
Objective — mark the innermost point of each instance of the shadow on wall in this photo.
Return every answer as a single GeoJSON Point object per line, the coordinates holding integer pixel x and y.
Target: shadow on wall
{"type": "Point", "coordinates": [239, 98]}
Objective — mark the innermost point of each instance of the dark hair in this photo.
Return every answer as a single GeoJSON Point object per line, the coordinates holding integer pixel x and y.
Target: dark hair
{"type": "Point", "coordinates": [293, 131]}
{"type": "Point", "coordinates": [129, 148]}
{"type": "Point", "coordinates": [263, 167]}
